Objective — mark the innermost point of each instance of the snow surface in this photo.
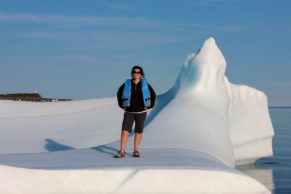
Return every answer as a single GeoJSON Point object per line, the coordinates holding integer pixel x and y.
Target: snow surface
{"type": "Point", "coordinates": [196, 134]}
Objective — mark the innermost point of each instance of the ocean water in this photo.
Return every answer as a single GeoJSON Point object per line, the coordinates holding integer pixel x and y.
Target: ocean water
{"type": "Point", "coordinates": [275, 172]}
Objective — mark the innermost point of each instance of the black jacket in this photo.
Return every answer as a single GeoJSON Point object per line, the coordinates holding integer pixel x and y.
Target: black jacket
{"type": "Point", "coordinates": [136, 100]}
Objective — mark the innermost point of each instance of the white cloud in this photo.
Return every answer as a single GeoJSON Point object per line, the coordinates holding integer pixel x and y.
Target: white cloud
{"type": "Point", "coordinates": [218, 2]}
{"type": "Point", "coordinates": [144, 23]}
{"type": "Point", "coordinates": [79, 20]}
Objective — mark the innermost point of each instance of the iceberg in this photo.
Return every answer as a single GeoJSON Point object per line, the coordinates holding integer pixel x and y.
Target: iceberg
{"type": "Point", "coordinates": [197, 133]}
{"type": "Point", "coordinates": [235, 118]}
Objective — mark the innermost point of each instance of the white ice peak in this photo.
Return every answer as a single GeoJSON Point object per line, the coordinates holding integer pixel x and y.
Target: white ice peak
{"type": "Point", "coordinates": [203, 87]}
{"type": "Point", "coordinates": [204, 70]}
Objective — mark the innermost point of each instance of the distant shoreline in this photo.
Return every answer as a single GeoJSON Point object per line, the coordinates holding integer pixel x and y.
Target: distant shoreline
{"type": "Point", "coordinates": [31, 97]}
{"type": "Point", "coordinates": [280, 107]}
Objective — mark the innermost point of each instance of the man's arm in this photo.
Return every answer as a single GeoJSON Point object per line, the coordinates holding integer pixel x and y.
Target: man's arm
{"type": "Point", "coordinates": [119, 96]}
{"type": "Point", "coordinates": [153, 96]}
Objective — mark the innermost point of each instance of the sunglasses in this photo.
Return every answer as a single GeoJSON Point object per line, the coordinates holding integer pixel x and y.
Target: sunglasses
{"type": "Point", "coordinates": [137, 72]}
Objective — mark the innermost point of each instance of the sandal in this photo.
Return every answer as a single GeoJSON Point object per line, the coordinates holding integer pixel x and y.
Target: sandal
{"type": "Point", "coordinates": [136, 154]}
{"type": "Point", "coordinates": [119, 154]}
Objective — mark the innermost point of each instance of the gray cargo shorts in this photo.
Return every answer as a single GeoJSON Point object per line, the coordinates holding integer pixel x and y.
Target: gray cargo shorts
{"type": "Point", "coordinates": [129, 118]}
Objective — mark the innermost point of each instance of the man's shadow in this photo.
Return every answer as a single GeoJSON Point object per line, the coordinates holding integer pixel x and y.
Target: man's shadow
{"type": "Point", "coordinates": [51, 146]}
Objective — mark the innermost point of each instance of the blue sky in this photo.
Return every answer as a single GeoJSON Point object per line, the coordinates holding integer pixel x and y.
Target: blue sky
{"type": "Point", "coordinates": [84, 49]}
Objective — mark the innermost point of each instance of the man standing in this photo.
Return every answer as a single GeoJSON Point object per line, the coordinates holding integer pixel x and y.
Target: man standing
{"type": "Point", "coordinates": [136, 97]}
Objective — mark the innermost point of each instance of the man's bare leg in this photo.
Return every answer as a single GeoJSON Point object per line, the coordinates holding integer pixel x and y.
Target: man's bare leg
{"type": "Point", "coordinates": [137, 140]}
{"type": "Point", "coordinates": [124, 137]}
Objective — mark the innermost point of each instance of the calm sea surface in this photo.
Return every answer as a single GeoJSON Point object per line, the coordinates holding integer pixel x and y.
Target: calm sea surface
{"type": "Point", "coordinates": [275, 172]}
